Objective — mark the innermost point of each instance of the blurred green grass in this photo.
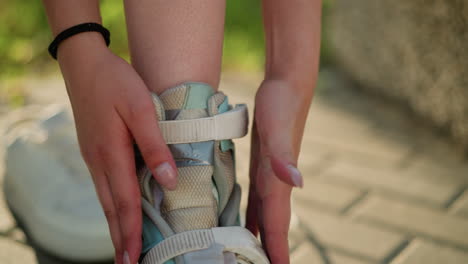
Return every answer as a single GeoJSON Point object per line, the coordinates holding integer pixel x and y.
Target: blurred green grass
{"type": "Point", "coordinates": [24, 37]}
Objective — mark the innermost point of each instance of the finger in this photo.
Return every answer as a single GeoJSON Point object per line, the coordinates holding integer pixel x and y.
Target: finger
{"type": "Point", "coordinates": [252, 212]}
{"type": "Point", "coordinates": [275, 218]}
{"type": "Point", "coordinates": [252, 205]}
{"type": "Point", "coordinates": [120, 170]}
{"type": "Point", "coordinates": [105, 198]}
{"type": "Point", "coordinates": [143, 124]}
{"type": "Point", "coordinates": [274, 212]}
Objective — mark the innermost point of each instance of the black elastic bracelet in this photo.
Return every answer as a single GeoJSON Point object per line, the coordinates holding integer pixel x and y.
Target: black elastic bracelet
{"type": "Point", "coordinates": [85, 27]}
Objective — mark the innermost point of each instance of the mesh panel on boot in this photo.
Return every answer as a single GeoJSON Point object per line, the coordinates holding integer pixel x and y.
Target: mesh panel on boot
{"type": "Point", "coordinates": [191, 219]}
{"type": "Point", "coordinates": [192, 205]}
{"type": "Point", "coordinates": [174, 98]}
{"type": "Point", "coordinates": [193, 199]}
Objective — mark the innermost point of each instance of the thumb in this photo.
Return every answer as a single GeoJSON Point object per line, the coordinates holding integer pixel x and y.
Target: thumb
{"type": "Point", "coordinates": [143, 124]}
{"type": "Point", "coordinates": [276, 167]}
{"type": "Point", "coordinates": [277, 147]}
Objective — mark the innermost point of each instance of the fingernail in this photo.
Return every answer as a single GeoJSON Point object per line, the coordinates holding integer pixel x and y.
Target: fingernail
{"type": "Point", "coordinates": [296, 176]}
{"type": "Point", "coordinates": [166, 176]}
{"type": "Point", "coordinates": [126, 258]}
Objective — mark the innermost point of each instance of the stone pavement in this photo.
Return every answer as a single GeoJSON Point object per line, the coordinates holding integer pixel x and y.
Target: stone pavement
{"type": "Point", "coordinates": [380, 186]}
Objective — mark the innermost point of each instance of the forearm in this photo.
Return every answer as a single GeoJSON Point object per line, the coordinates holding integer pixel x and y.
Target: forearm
{"type": "Point", "coordinates": [78, 49]}
{"type": "Point", "coordinates": [292, 35]}
{"type": "Point", "coordinates": [63, 14]}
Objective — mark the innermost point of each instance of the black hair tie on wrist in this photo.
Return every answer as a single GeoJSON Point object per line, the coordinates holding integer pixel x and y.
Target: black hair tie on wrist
{"type": "Point", "coordinates": [85, 27]}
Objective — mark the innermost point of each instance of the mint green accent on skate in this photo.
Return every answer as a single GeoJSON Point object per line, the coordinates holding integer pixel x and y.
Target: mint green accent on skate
{"type": "Point", "coordinates": [198, 96]}
{"type": "Point", "coordinates": [226, 145]}
{"type": "Point", "coordinates": [238, 221]}
{"type": "Point", "coordinates": [151, 236]}
{"type": "Point", "coordinates": [196, 101]}
{"type": "Point", "coordinates": [224, 106]}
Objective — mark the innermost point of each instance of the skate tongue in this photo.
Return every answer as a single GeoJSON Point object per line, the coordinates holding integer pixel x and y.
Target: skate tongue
{"type": "Point", "coordinates": [179, 222]}
{"type": "Point", "coordinates": [186, 101]}
{"type": "Point", "coordinates": [193, 204]}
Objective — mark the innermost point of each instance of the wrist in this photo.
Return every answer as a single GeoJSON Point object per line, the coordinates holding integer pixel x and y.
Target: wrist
{"type": "Point", "coordinates": [83, 54]}
{"type": "Point", "coordinates": [302, 85]}
{"type": "Point", "coordinates": [84, 46]}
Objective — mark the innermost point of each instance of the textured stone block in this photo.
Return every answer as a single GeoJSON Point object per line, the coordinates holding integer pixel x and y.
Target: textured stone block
{"type": "Point", "coordinates": [424, 252]}
{"type": "Point", "coordinates": [414, 220]}
{"type": "Point", "coordinates": [324, 194]}
{"type": "Point", "coordinates": [333, 232]}
{"type": "Point", "coordinates": [308, 254]}
{"type": "Point", "coordinates": [392, 182]}
{"type": "Point", "coordinates": [14, 252]}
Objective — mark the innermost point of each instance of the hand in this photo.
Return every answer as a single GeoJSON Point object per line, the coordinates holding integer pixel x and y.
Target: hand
{"type": "Point", "coordinates": [112, 107]}
{"type": "Point", "coordinates": [279, 119]}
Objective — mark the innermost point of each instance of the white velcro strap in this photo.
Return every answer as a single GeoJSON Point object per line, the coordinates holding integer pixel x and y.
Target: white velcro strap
{"type": "Point", "coordinates": [234, 239]}
{"type": "Point", "coordinates": [179, 244]}
{"type": "Point", "coordinates": [239, 240]}
{"type": "Point", "coordinates": [228, 125]}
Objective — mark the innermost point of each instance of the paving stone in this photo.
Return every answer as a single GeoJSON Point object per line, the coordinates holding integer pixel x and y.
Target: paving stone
{"type": "Point", "coordinates": [358, 239]}
{"type": "Point", "coordinates": [460, 207]}
{"type": "Point", "coordinates": [18, 235]}
{"type": "Point", "coordinates": [444, 168]}
{"type": "Point", "coordinates": [324, 120]}
{"type": "Point", "coordinates": [413, 219]}
{"type": "Point", "coordinates": [361, 148]}
{"type": "Point", "coordinates": [308, 254]}
{"type": "Point", "coordinates": [424, 252]}
{"type": "Point", "coordinates": [297, 236]}
{"type": "Point", "coordinates": [6, 220]}
{"type": "Point", "coordinates": [392, 182]}
{"type": "Point", "coordinates": [295, 240]}
{"type": "Point", "coordinates": [311, 160]}
{"type": "Point", "coordinates": [439, 160]}
{"type": "Point", "coordinates": [354, 136]}
{"type": "Point", "coordinates": [14, 252]}
{"type": "Point", "coordinates": [324, 194]}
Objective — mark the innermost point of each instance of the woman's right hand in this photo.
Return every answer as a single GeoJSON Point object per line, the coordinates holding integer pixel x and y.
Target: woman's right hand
{"type": "Point", "coordinates": [112, 108]}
